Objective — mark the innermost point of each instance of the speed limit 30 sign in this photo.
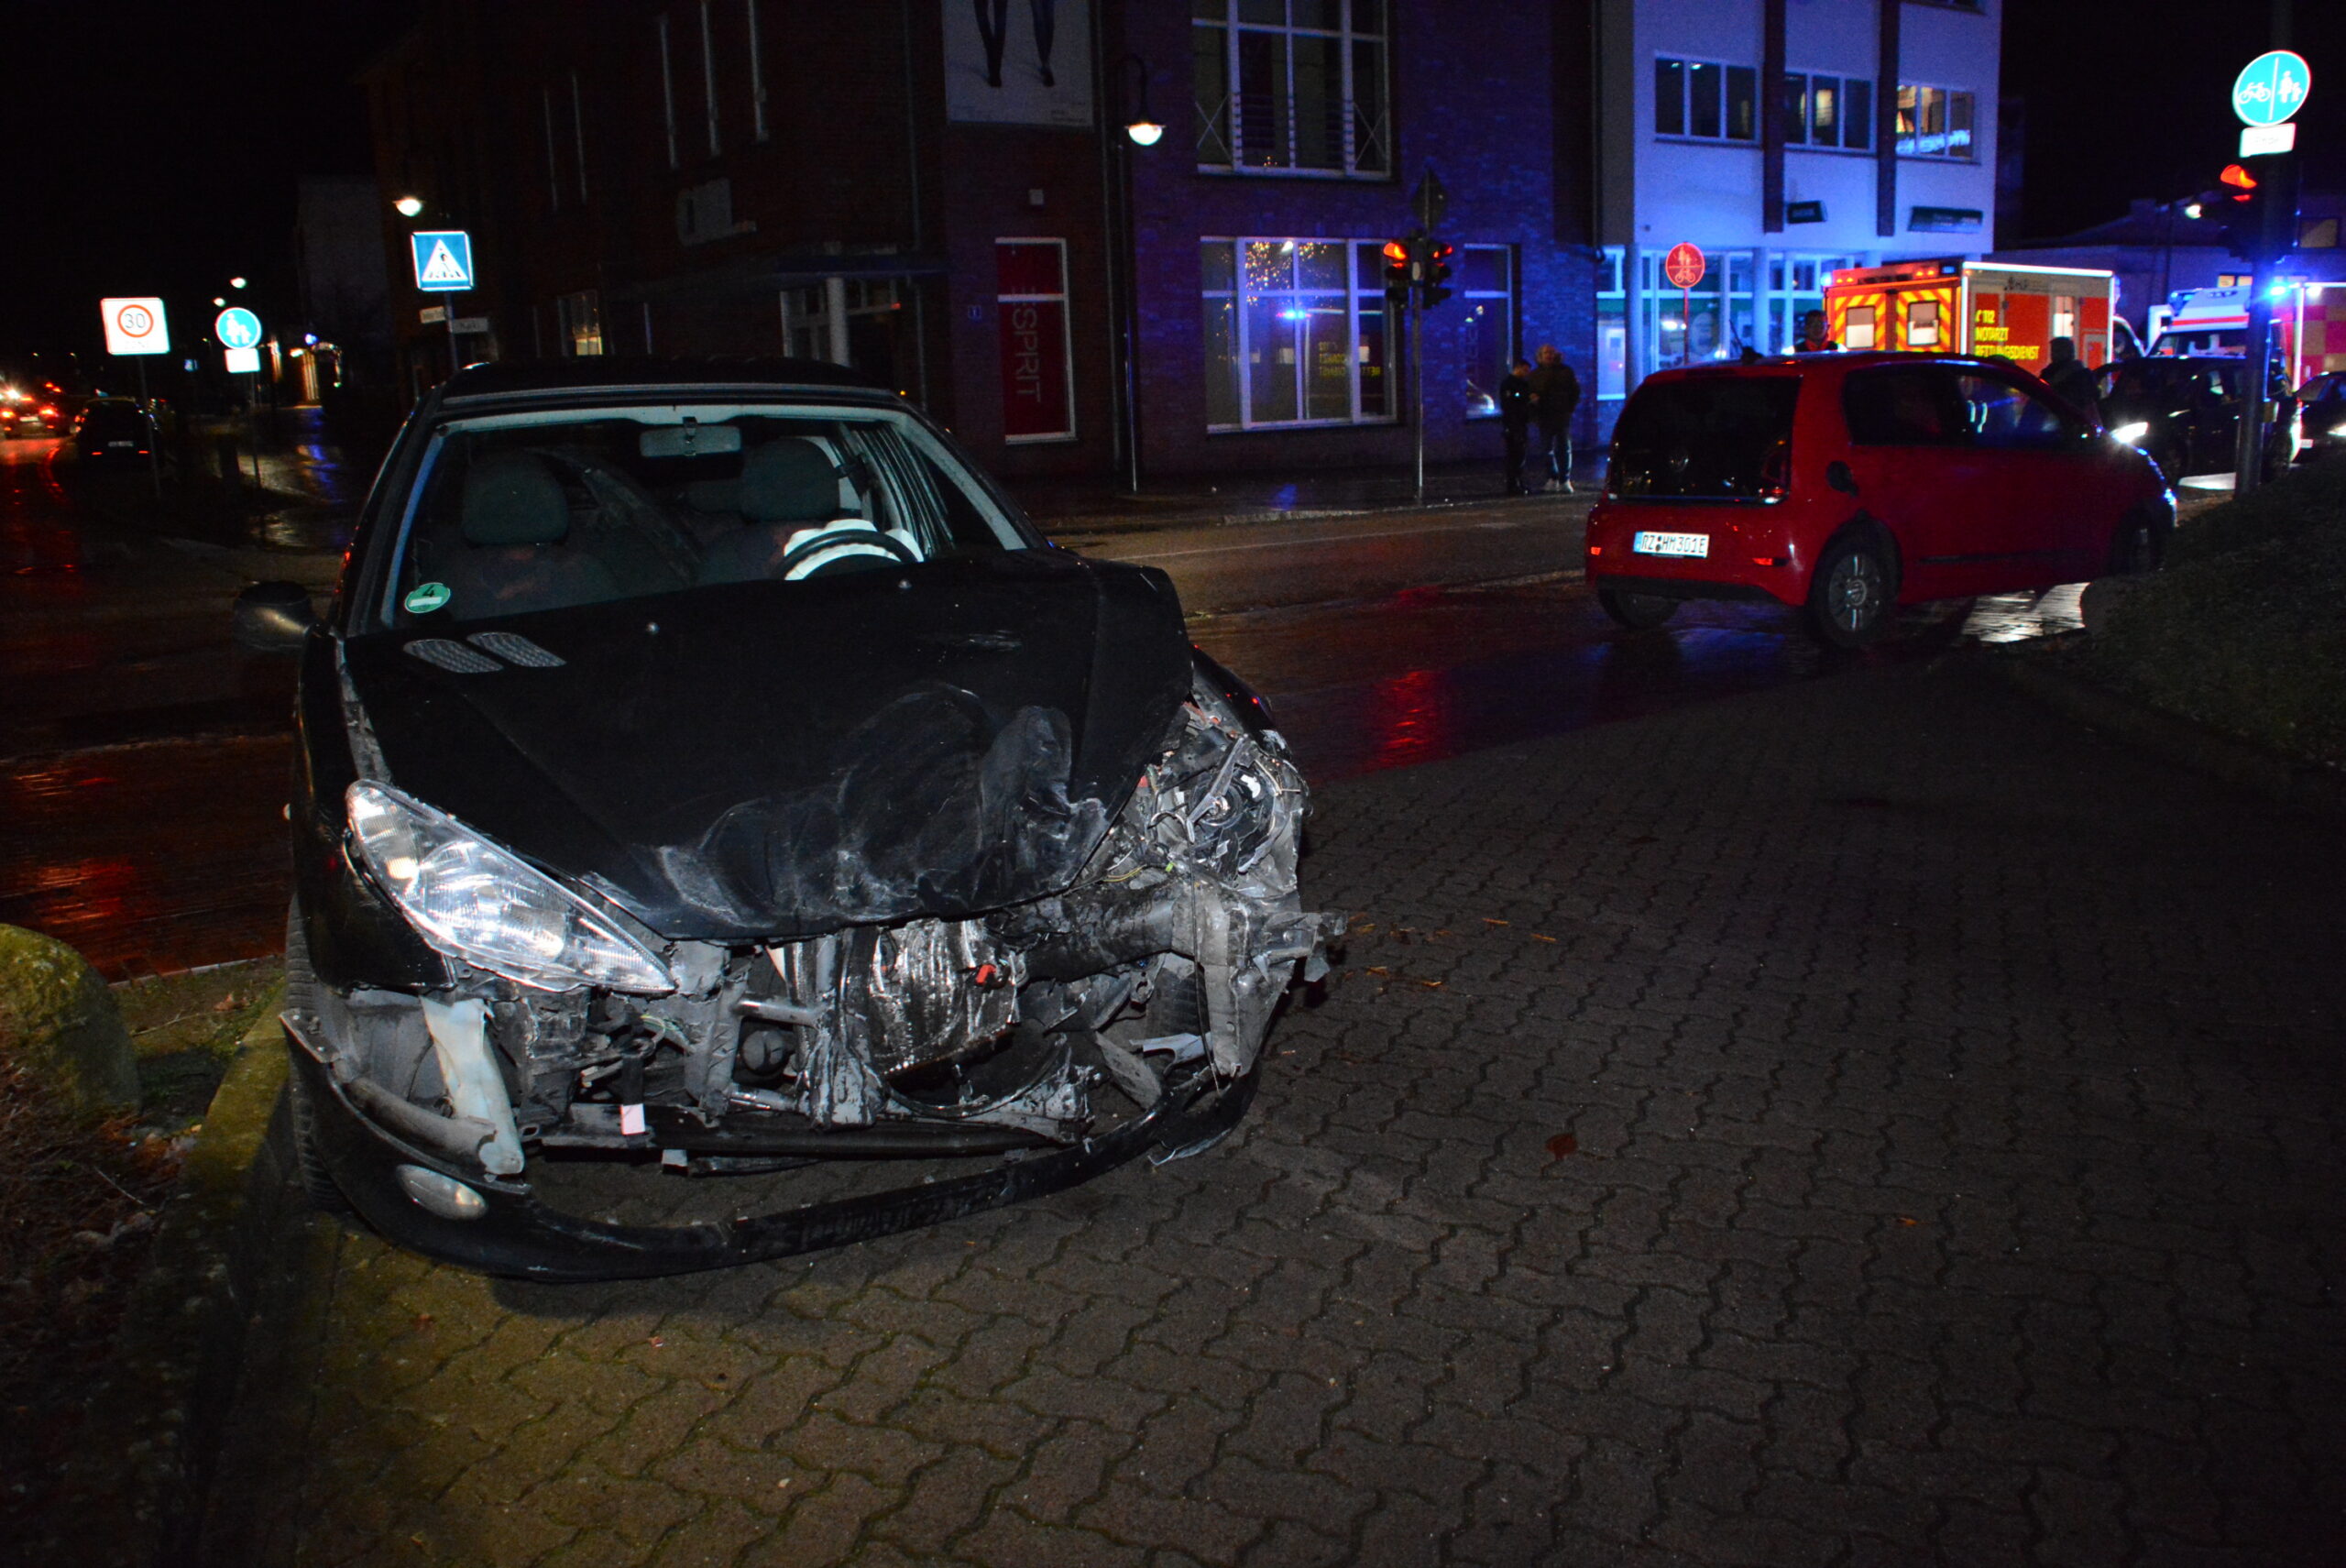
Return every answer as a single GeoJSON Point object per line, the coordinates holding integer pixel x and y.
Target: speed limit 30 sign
{"type": "Point", "coordinates": [135, 325]}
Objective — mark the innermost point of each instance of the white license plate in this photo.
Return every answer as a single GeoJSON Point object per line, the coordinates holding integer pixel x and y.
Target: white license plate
{"type": "Point", "coordinates": [122, 445]}
{"type": "Point", "coordinates": [1694, 544]}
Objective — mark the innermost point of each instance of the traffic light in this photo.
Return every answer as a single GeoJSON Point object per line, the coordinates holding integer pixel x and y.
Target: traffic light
{"type": "Point", "coordinates": [1397, 272]}
{"type": "Point", "coordinates": [2259, 206]}
{"type": "Point", "coordinates": [1435, 287]}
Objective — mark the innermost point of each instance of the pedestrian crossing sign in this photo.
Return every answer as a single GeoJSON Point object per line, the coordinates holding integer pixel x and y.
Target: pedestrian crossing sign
{"type": "Point", "coordinates": [444, 260]}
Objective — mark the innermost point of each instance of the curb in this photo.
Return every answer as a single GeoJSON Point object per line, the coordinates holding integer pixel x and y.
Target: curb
{"type": "Point", "coordinates": [1114, 525]}
{"type": "Point", "coordinates": [2193, 745]}
{"type": "Point", "coordinates": [143, 1461]}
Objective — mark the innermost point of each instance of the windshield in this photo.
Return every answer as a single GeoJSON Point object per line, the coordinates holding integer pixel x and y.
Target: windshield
{"type": "Point", "coordinates": [514, 513]}
{"type": "Point", "coordinates": [1710, 437]}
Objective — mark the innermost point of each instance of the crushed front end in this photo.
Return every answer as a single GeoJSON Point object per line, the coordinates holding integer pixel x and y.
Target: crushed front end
{"type": "Point", "coordinates": [1004, 1052]}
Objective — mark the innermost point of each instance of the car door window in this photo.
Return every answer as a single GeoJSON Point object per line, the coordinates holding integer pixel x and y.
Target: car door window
{"type": "Point", "coordinates": [2003, 415]}
{"type": "Point", "coordinates": [1902, 405]}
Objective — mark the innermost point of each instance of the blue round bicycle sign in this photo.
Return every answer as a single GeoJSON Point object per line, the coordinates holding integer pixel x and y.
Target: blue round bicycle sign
{"type": "Point", "coordinates": [236, 327]}
{"type": "Point", "coordinates": [2272, 88]}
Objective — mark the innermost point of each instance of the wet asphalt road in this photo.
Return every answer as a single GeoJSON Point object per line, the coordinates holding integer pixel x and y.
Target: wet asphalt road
{"type": "Point", "coordinates": [142, 762]}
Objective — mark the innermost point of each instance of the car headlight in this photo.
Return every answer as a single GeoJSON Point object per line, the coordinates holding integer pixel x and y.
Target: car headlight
{"type": "Point", "coordinates": [2131, 432]}
{"type": "Point", "coordinates": [473, 901]}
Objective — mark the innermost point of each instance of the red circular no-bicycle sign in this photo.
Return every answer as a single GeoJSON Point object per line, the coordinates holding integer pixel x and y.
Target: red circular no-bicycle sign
{"type": "Point", "coordinates": [136, 321]}
{"type": "Point", "coordinates": [1683, 266]}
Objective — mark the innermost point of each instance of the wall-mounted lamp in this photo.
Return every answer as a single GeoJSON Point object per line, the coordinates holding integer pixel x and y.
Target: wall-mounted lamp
{"type": "Point", "coordinates": [408, 206]}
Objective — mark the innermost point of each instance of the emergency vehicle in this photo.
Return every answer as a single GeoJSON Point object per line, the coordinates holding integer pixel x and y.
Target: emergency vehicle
{"type": "Point", "coordinates": [1954, 306]}
{"type": "Point", "coordinates": [2308, 326]}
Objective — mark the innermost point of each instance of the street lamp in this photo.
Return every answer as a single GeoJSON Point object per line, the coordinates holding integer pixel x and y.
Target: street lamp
{"type": "Point", "coordinates": [408, 206]}
{"type": "Point", "coordinates": [236, 283]}
{"type": "Point", "coordinates": [1141, 129]}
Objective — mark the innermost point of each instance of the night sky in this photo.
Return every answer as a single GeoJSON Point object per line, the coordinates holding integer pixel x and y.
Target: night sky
{"type": "Point", "coordinates": [153, 147]}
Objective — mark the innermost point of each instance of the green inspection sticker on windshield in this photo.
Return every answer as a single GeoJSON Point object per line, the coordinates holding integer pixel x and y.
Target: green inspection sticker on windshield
{"type": "Point", "coordinates": [426, 598]}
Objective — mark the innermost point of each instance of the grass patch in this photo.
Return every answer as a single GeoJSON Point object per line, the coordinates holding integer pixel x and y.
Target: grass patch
{"type": "Point", "coordinates": [2245, 631]}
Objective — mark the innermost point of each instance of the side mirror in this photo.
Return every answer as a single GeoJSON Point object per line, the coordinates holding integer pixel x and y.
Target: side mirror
{"type": "Point", "coordinates": [273, 617]}
{"type": "Point", "coordinates": [1837, 474]}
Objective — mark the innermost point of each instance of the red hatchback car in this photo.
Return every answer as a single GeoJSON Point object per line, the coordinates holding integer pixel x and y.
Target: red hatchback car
{"type": "Point", "coordinates": [1849, 484]}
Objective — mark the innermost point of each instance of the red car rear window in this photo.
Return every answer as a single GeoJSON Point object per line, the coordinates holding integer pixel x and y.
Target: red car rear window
{"type": "Point", "coordinates": [1711, 437]}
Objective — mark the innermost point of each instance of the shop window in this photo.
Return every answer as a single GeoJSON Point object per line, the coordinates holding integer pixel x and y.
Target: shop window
{"type": "Point", "coordinates": [1612, 328]}
{"type": "Point", "coordinates": [1934, 122]}
{"type": "Point", "coordinates": [1707, 100]}
{"type": "Point", "coordinates": [1297, 333]}
{"type": "Point", "coordinates": [1486, 287]}
{"type": "Point", "coordinates": [1291, 86]}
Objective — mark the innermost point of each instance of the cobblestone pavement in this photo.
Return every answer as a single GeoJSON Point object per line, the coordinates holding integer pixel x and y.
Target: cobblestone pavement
{"type": "Point", "coordinates": [1872, 1120]}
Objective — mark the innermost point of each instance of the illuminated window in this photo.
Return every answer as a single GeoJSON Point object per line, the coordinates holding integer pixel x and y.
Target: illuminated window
{"type": "Point", "coordinates": [1612, 327]}
{"type": "Point", "coordinates": [1934, 122]}
{"type": "Point", "coordinates": [1297, 333]}
{"type": "Point", "coordinates": [1700, 98]}
{"type": "Point", "coordinates": [1291, 86]}
{"type": "Point", "coordinates": [580, 319]}
{"type": "Point", "coordinates": [1828, 111]}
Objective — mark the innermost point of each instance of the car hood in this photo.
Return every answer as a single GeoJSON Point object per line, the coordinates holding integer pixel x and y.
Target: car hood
{"type": "Point", "coordinates": [776, 760]}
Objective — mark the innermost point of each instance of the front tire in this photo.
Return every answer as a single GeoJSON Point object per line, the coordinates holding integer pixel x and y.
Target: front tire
{"type": "Point", "coordinates": [2137, 547]}
{"type": "Point", "coordinates": [1854, 593]}
{"type": "Point", "coordinates": [310, 1171]}
{"type": "Point", "coordinates": [1638, 612]}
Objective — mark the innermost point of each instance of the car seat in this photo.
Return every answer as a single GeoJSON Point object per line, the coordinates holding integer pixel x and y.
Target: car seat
{"type": "Point", "coordinates": [514, 559]}
{"type": "Point", "coordinates": [787, 487]}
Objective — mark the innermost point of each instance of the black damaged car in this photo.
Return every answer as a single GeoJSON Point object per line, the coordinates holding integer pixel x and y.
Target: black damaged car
{"type": "Point", "coordinates": [704, 771]}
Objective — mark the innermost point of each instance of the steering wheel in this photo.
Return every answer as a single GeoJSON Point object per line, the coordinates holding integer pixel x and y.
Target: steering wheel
{"type": "Point", "coordinates": [862, 540]}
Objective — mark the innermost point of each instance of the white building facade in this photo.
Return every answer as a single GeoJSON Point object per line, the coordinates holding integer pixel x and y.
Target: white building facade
{"type": "Point", "coordinates": [1785, 139]}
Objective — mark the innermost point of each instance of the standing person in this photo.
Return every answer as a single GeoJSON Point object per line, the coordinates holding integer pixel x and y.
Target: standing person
{"type": "Point", "coordinates": [1555, 393]}
{"type": "Point", "coordinates": [2066, 374]}
{"type": "Point", "coordinates": [1813, 339]}
{"type": "Point", "coordinates": [1515, 420]}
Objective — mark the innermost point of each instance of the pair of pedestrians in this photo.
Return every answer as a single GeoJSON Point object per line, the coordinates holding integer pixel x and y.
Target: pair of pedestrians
{"type": "Point", "coordinates": [1540, 397]}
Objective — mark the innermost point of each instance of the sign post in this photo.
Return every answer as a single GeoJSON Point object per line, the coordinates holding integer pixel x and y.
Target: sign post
{"type": "Point", "coordinates": [1685, 267]}
{"type": "Point", "coordinates": [444, 265]}
{"type": "Point", "coordinates": [239, 332]}
{"type": "Point", "coordinates": [138, 325]}
{"type": "Point", "coordinates": [1428, 201]}
{"type": "Point", "coordinates": [2266, 94]}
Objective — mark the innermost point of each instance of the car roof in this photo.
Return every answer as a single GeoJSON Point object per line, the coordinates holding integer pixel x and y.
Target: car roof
{"type": "Point", "coordinates": [600, 373]}
{"type": "Point", "coordinates": [1837, 363]}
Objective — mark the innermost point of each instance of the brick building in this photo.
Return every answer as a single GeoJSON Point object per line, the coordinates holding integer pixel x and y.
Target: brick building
{"type": "Point", "coordinates": [944, 193]}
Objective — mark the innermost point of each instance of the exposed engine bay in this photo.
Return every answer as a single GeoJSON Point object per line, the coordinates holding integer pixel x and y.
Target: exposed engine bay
{"type": "Point", "coordinates": [1025, 1027]}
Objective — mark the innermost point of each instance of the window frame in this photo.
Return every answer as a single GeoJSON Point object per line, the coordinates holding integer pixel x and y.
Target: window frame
{"type": "Point", "coordinates": [1224, 124]}
{"type": "Point", "coordinates": [1728, 72]}
{"type": "Point", "coordinates": [1363, 298]}
{"type": "Point", "coordinates": [1800, 112]}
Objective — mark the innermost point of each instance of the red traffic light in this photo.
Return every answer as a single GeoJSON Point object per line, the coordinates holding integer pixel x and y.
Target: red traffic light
{"type": "Point", "coordinates": [2240, 180]}
{"type": "Point", "coordinates": [1443, 252]}
{"type": "Point", "coordinates": [1397, 251]}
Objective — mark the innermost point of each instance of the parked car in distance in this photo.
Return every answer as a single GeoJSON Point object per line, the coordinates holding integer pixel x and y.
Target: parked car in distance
{"type": "Point", "coordinates": [2321, 416]}
{"type": "Point", "coordinates": [1847, 485]}
{"type": "Point", "coordinates": [109, 429]}
{"type": "Point", "coordinates": [704, 769]}
{"type": "Point", "coordinates": [2184, 412]}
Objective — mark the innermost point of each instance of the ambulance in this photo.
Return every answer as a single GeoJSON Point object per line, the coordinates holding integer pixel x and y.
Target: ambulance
{"type": "Point", "coordinates": [1954, 306]}
{"type": "Point", "coordinates": [2308, 326]}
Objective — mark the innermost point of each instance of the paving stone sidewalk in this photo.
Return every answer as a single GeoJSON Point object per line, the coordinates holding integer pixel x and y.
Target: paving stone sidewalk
{"type": "Point", "coordinates": [1871, 1122]}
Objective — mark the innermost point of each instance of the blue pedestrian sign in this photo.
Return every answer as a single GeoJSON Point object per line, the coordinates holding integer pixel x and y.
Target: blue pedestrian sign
{"type": "Point", "coordinates": [236, 327]}
{"type": "Point", "coordinates": [444, 260]}
{"type": "Point", "coordinates": [2272, 88]}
